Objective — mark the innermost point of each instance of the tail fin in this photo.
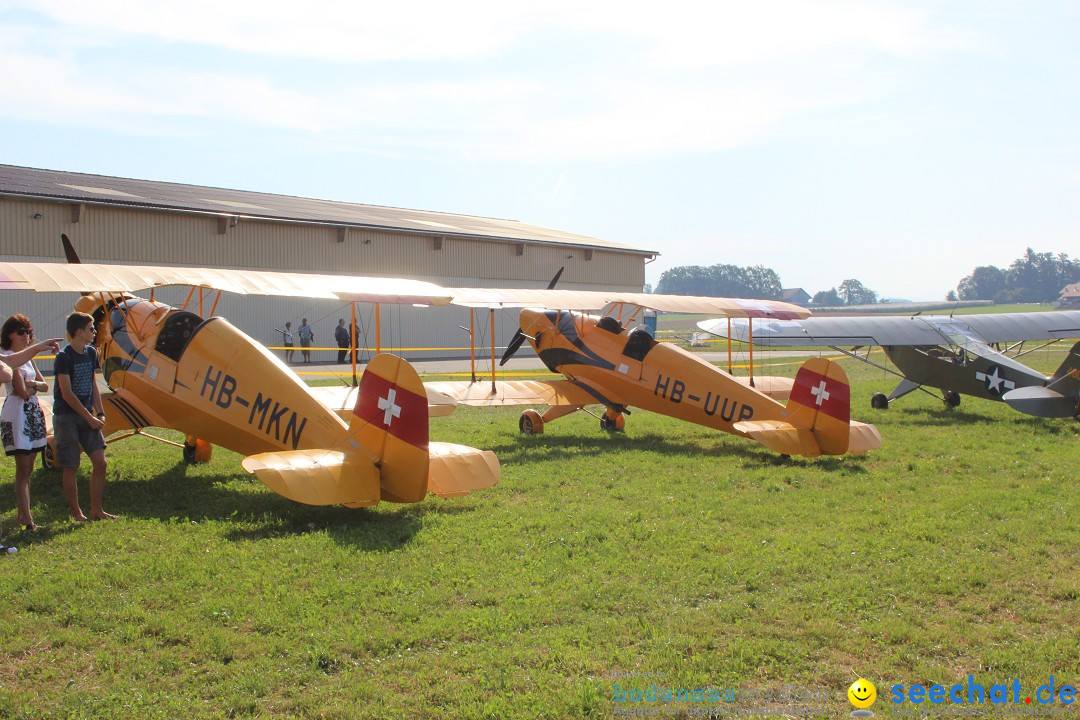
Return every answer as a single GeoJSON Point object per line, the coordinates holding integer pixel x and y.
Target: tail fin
{"type": "Point", "coordinates": [390, 425]}
{"type": "Point", "coordinates": [821, 403]}
{"type": "Point", "coordinates": [818, 418]}
{"type": "Point", "coordinates": [1067, 378]}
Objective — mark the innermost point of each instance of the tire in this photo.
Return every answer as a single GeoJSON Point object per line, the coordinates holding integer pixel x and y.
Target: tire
{"type": "Point", "coordinates": [952, 399]}
{"type": "Point", "coordinates": [48, 456]}
{"type": "Point", "coordinates": [612, 421]}
{"type": "Point", "coordinates": [530, 423]}
{"type": "Point", "coordinates": [198, 452]}
{"type": "Point", "coordinates": [879, 401]}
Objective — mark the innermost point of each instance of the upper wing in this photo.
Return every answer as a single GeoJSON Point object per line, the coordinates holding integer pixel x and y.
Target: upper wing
{"type": "Point", "coordinates": [915, 330]}
{"type": "Point", "coordinates": [1013, 327]}
{"type": "Point", "coordinates": [599, 299]}
{"type": "Point", "coordinates": [833, 331]}
{"type": "Point", "coordinates": [89, 277]}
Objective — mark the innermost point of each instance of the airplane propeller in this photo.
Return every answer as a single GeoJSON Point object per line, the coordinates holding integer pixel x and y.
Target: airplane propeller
{"type": "Point", "coordinates": [519, 337]}
{"type": "Point", "coordinates": [69, 250]}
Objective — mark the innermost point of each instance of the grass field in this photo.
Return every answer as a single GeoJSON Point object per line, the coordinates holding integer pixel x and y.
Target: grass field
{"type": "Point", "coordinates": [669, 549]}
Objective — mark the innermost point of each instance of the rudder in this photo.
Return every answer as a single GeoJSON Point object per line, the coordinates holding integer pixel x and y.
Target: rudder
{"type": "Point", "coordinates": [821, 403]}
{"type": "Point", "coordinates": [390, 426]}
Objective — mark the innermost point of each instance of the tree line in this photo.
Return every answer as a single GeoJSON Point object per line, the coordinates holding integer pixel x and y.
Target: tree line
{"type": "Point", "coordinates": [755, 281]}
{"type": "Point", "coordinates": [1035, 277]}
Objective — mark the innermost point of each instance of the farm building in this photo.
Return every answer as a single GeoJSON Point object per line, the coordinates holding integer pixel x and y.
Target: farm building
{"type": "Point", "coordinates": [1070, 296]}
{"type": "Point", "coordinates": [120, 220]}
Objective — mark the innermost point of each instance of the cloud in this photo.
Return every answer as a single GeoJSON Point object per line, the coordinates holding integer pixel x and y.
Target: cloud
{"type": "Point", "coordinates": [459, 78]}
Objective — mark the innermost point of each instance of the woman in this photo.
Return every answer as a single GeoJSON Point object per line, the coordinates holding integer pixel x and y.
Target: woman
{"type": "Point", "coordinates": [22, 423]}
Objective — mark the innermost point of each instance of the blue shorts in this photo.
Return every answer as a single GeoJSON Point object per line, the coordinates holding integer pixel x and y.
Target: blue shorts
{"type": "Point", "coordinates": [71, 432]}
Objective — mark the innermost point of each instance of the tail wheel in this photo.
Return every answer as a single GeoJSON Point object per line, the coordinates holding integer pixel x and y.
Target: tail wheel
{"type": "Point", "coordinates": [48, 455]}
{"type": "Point", "coordinates": [952, 399]}
{"type": "Point", "coordinates": [612, 421]}
{"type": "Point", "coordinates": [197, 450]}
{"type": "Point", "coordinates": [878, 401]}
{"type": "Point", "coordinates": [530, 423]}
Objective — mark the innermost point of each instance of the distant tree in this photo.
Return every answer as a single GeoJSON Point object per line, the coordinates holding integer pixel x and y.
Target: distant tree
{"type": "Point", "coordinates": [951, 296]}
{"type": "Point", "coordinates": [984, 283]}
{"type": "Point", "coordinates": [721, 281]}
{"type": "Point", "coordinates": [763, 282]}
{"type": "Point", "coordinates": [855, 293]}
{"type": "Point", "coordinates": [1035, 277]}
{"type": "Point", "coordinates": [648, 288]}
{"type": "Point", "coordinates": [827, 298]}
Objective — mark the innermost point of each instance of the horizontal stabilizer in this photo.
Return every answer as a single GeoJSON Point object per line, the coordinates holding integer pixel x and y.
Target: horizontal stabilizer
{"type": "Point", "coordinates": [786, 439]}
{"type": "Point", "coordinates": [863, 438]}
{"type": "Point", "coordinates": [781, 437]}
{"type": "Point", "coordinates": [1042, 402]}
{"type": "Point", "coordinates": [456, 470]}
{"type": "Point", "coordinates": [315, 477]}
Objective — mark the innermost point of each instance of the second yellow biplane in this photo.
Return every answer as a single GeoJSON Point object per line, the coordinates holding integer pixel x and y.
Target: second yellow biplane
{"type": "Point", "coordinates": [607, 361]}
{"type": "Point", "coordinates": [169, 367]}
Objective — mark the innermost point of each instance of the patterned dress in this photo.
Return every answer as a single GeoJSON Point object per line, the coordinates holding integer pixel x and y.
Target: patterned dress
{"type": "Point", "coordinates": [22, 423]}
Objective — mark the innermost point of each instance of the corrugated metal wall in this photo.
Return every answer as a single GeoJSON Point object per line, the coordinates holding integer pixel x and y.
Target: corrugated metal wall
{"type": "Point", "coordinates": [30, 230]}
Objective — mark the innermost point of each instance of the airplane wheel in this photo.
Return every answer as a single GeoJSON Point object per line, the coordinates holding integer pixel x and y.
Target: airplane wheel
{"type": "Point", "coordinates": [48, 455]}
{"type": "Point", "coordinates": [952, 399]}
{"type": "Point", "coordinates": [531, 423]}
{"type": "Point", "coordinates": [612, 421]}
{"type": "Point", "coordinates": [197, 452]}
{"type": "Point", "coordinates": [879, 401]}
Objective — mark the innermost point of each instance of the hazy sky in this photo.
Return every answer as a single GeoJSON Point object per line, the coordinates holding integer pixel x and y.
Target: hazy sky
{"type": "Point", "coordinates": [899, 143]}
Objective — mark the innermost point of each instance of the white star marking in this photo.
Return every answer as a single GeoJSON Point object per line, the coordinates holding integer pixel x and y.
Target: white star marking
{"type": "Point", "coordinates": [392, 409]}
{"type": "Point", "coordinates": [820, 393]}
{"type": "Point", "coordinates": [995, 380]}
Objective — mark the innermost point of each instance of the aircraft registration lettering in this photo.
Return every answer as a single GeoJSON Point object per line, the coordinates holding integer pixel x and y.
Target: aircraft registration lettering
{"type": "Point", "coordinates": [220, 389]}
{"type": "Point", "coordinates": [675, 390]}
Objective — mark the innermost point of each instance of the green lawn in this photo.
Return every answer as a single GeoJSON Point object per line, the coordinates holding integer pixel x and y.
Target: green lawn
{"type": "Point", "coordinates": [669, 549]}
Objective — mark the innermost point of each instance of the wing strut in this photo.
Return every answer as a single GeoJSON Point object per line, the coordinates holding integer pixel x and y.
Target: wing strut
{"type": "Point", "coordinates": [472, 342]}
{"type": "Point", "coordinates": [751, 339]}
{"type": "Point", "coordinates": [491, 313]}
{"type": "Point", "coordinates": [353, 337]}
{"type": "Point", "coordinates": [729, 365]}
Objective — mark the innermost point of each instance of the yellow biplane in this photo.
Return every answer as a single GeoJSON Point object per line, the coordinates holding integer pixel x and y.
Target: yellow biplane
{"type": "Point", "coordinates": [169, 367]}
{"type": "Point", "coordinates": [606, 360]}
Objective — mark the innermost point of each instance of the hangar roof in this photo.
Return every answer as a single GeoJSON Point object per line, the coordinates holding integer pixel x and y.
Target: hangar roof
{"type": "Point", "coordinates": [106, 190]}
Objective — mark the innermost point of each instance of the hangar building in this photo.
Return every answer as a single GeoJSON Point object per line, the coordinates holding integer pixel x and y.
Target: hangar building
{"type": "Point", "coordinates": [119, 220]}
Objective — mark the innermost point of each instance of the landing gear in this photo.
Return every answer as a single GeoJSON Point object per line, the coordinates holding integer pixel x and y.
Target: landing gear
{"type": "Point", "coordinates": [197, 450]}
{"type": "Point", "coordinates": [879, 401]}
{"type": "Point", "coordinates": [530, 423]}
{"type": "Point", "coordinates": [612, 421]}
{"type": "Point", "coordinates": [48, 455]}
{"type": "Point", "coordinates": [951, 399]}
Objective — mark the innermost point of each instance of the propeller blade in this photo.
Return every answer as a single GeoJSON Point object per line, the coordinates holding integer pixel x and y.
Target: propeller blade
{"type": "Point", "coordinates": [515, 343]}
{"type": "Point", "coordinates": [69, 250]}
{"type": "Point", "coordinates": [519, 337]}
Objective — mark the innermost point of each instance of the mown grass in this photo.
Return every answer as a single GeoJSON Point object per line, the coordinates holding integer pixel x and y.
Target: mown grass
{"type": "Point", "coordinates": [670, 549]}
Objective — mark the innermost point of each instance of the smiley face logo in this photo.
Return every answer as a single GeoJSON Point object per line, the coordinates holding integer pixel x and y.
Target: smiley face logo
{"type": "Point", "coordinates": [862, 693]}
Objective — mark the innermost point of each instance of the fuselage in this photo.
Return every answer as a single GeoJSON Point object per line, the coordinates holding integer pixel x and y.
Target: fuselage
{"type": "Point", "coordinates": [628, 368]}
{"type": "Point", "coordinates": [206, 379]}
{"type": "Point", "coordinates": [953, 368]}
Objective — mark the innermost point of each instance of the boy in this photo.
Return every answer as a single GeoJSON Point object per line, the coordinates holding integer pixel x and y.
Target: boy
{"type": "Point", "coordinates": [78, 415]}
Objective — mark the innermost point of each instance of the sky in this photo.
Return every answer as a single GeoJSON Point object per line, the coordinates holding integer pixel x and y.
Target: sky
{"type": "Point", "coordinates": [898, 143]}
